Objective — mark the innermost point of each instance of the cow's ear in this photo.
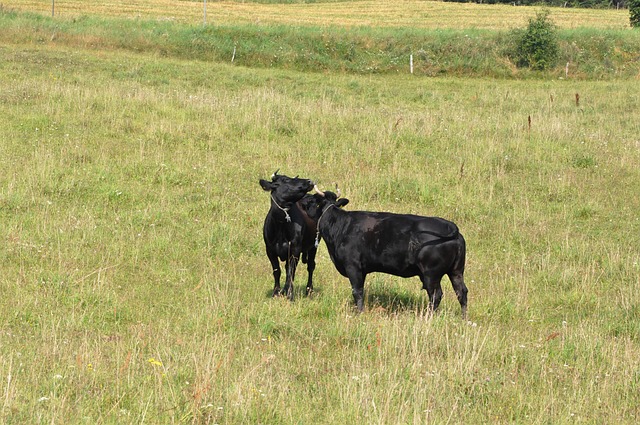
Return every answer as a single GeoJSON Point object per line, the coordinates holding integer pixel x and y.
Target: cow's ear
{"type": "Point", "coordinates": [342, 202]}
{"type": "Point", "coordinates": [266, 185]}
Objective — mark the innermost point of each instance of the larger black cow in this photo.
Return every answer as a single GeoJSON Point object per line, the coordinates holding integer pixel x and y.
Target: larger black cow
{"type": "Point", "coordinates": [288, 231]}
{"type": "Point", "coordinates": [405, 245]}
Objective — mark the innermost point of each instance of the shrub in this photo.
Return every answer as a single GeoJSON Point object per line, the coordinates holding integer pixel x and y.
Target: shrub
{"type": "Point", "coordinates": [634, 13]}
{"type": "Point", "coordinates": [537, 46]}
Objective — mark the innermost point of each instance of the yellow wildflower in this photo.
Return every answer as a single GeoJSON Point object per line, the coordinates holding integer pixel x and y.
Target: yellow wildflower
{"type": "Point", "coordinates": [155, 362]}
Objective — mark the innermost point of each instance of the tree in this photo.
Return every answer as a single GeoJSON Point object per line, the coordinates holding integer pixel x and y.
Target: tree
{"type": "Point", "coordinates": [537, 46]}
{"type": "Point", "coordinates": [634, 13]}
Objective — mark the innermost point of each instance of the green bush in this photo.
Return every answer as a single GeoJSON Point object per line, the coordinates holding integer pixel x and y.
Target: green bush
{"type": "Point", "coordinates": [537, 46]}
{"type": "Point", "coordinates": [634, 13]}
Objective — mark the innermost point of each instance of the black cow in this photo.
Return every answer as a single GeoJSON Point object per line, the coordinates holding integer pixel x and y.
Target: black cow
{"type": "Point", "coordinates": [288, 231]}
{"type": "Point", "coordinates": [405, 245]}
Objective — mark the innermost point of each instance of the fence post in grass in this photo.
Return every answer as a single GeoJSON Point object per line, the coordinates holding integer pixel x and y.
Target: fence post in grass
{"type": "Point", "coordinates": [204, 13]}
{"type": "Point", "coordinates": [411, 63]}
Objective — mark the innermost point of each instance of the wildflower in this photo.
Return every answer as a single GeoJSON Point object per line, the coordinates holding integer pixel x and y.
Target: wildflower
{"type": "Point", "coordinates": [155, 362]}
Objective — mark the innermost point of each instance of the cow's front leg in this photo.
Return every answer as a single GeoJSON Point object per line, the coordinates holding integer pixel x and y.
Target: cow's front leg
{"type": "Point", "coordinates": [275, 265]}
{"type": "Point", "coordinates": [356, 277]}
{"type": "Point", "coordinates": [291, 265]}
{"type": "Point", "coordinates": [311, 266]}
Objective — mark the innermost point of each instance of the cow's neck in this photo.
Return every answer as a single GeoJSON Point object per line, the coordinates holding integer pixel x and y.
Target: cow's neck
{"type": "Point", "coordinates": [285, 210]}
{"type": "Point", "coordinates": [327, 208]}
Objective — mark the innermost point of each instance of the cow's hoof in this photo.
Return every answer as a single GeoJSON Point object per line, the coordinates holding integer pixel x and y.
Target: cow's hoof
{"type": "Point", "coordinates": [310, 292]}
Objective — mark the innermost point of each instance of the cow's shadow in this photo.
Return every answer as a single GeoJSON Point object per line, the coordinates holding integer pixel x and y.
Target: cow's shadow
{"type": "Point", "coordinates": [381, 299]}
{"type": "Point", "coordinates": [391, 301]}
{"type": "Point", "coordinates": [299, 292]}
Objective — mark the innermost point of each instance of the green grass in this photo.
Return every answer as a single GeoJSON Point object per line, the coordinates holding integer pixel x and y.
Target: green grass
{"type": "Point", "coordinates": [136, 288]}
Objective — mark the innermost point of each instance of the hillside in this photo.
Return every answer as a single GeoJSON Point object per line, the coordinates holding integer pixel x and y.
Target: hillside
{"type": "Point", "coordinates": [467, 40]}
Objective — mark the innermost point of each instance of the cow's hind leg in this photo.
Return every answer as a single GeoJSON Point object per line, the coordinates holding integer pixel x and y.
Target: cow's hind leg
{"type": "Point", "coordinates": [457, 281]}
{"type": "Point", "coordinates": [311, 266]}
{"type": "Point", "coordinates": [431, 284]}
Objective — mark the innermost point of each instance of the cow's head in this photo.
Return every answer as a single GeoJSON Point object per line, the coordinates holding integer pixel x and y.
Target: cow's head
{"type": "Point", "coordinates": [286, 190]}
{"type": "Point", "coordinates": [315, 205]}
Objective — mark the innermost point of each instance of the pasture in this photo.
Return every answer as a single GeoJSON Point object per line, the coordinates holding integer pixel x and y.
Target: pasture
{"type": "Point", "coordinates": [134, 279]}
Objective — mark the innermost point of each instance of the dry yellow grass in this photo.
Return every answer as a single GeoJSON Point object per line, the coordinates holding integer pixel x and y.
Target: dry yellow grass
{"type": "Point", "coordinates": [376, 13]}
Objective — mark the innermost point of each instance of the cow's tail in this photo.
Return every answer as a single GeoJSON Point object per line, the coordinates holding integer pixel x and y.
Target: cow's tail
{"type": "Point", "coordinates": [459, 263]}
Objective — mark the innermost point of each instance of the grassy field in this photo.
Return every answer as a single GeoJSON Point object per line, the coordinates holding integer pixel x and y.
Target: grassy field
{"type": "Point", "coordinates": [136, 288]}
{"type": "Point", "coordinates": [377, 13]}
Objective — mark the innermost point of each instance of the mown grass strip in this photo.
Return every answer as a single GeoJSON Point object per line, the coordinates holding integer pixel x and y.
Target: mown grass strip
{"type": "Point", "coordinates": [345, 13]}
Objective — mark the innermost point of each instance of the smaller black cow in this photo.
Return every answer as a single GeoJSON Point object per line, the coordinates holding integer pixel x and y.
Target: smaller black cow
{"type": "Point", "coordinates": [288, 231]}
{"type": "Point", "coordinates": [361, 242]}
